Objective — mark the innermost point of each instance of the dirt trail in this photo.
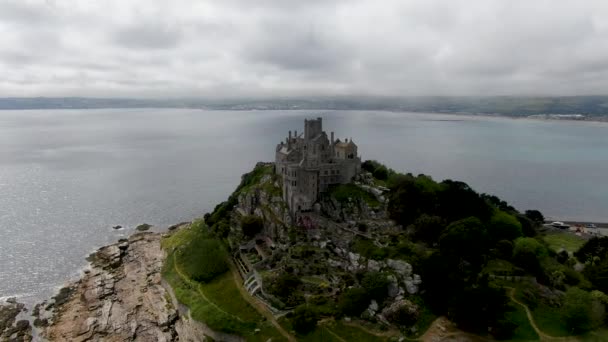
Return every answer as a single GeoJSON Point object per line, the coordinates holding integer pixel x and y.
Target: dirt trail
{"type": "Point", "coordinates": [198, 288]}
{"type": "Point", "coordinates": [541, 334]}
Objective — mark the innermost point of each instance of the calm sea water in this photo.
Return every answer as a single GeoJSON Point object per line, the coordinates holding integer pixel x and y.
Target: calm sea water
{"type": "Point", "coordinates": [67, 177]}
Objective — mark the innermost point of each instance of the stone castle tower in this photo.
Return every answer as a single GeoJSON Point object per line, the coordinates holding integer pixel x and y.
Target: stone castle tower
{"type": "Point", "coordinates": [310, 162]}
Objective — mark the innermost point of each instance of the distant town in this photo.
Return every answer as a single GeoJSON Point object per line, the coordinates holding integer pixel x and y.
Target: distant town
{"type": "Point", "coordinates": [592, 108]}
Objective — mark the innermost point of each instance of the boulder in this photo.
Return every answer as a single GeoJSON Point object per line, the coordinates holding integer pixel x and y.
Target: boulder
{"type": "Point", "coordinates": [402, 312]}
{"type": "Point", "coordinates": [400, 267]}
{"type": "Point", "coordinates": [373, 265]}
{"type": "Point", "coordinates": [373, 306]}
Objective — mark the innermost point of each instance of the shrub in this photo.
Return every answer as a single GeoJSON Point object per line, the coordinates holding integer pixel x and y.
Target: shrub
{"type": "Point", "coordinates": [527, 253]}
{"type": "Point", "coordinates": [375, 285]}
{"type": "Point", "coordinates": [353, 301]}
{"type": "Point", "coordinates": [202, 259]}
{"type": "Point", "coordinates": [504, 226]}
{"type": "Point", "coordinates": [428, 228]}
{"type": "Point", "coordinates": [304, 319]}
{"type": "Point", "coordinates": [577, 310]}
{"type": "Point", "coordinates": [284, 286]}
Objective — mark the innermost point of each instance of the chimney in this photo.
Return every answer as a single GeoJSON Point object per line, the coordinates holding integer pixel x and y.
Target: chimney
{"type": "Point", "coordinates": [332, 138]}
{"type": "Point", "coordinates": [296, 134]}
{"type": "Point", "coordinates": [289, 135]}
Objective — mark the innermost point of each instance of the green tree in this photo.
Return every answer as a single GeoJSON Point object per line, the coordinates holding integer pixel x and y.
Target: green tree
{"type": "Point", "coordinates": [527, 253]}
{"type": "Point", "coordinates": [478, 306]}
{"type": "Point", "coordinates": [353, 301]}
{"type": "Point", "coordinates": [528, 227]}
{"type": "Point", "coordinates": [535, 216]}
{"type": "Point", "coordinates": [504, 227]}
{"type": "Point", "coordinates": [577, 310]}
{"type": "Point", "coordinates": [594, 247]}
{"type": "Point", "coordinates": [466, 238]}
{"type": "Point", "coordinates": [284, 285]}
{"type": "Point", "coordinates": [304, 319]}
{"type": "Point", "coordinates": [375, 285]}
{"type": "Point", "coordinates": [428, 228]}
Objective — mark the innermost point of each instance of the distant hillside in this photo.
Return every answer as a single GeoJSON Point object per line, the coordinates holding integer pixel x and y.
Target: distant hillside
{"type": "Point", "coordinates": [589, 106]}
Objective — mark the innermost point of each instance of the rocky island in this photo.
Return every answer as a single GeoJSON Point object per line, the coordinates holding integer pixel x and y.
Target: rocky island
{"type": "Point", "coordinates": [319, 246]}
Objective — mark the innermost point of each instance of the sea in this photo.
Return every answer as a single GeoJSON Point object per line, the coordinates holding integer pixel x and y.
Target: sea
{"type": "Point", "coordinates": [67, 177]}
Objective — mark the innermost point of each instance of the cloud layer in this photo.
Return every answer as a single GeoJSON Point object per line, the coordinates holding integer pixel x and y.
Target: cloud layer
{"type": "Point", "coordinates": [228, 48]}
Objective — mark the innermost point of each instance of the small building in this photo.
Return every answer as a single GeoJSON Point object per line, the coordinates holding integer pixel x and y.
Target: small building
{"type": "Point", "coordinates": [311, 162]}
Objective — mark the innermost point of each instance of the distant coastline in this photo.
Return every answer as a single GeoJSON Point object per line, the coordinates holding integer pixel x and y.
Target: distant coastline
{"type": "Point", "coordinates": [573, 108]}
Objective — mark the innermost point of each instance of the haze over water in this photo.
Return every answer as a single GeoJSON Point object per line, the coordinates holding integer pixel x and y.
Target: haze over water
{"type": "Point", "coordinates": [68, 176]}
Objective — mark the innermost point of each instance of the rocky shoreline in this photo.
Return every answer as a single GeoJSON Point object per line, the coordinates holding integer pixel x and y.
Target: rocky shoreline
{"type": "Point", "coordinates": [122, 297]}
{"type": "Point", "coordinates": [12, 328]}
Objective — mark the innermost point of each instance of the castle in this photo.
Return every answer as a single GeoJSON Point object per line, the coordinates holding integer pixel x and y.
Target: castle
{"type": "Point", "coordinates": [311, 162]}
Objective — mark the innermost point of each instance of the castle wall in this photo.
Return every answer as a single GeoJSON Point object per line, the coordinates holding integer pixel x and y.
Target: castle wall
{"type": "Point", "coordinates": [310, 165]}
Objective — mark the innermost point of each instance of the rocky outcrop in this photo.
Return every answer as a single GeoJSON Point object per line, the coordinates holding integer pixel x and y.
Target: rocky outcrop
{"type": "Point", "coordinates": [120, 298]}
{"type": "Point", "coordinates": [264, 200]}
{"type": "Point", "coordinates": [12, 329]}
{"type": "Point", "coordinates": [401, 312]}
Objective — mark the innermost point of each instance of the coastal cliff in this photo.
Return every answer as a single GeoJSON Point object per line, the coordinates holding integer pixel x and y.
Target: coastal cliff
{"type": "Point", "coordinates": [123, 298]}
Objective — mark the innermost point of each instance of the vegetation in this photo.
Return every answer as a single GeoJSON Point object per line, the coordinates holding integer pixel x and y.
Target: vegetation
{"type": "Point", "coordinates": [353, 301]}
{"type": "Point", "coordinates": [304, 319]}
{"type": "Point", "coordinates": [577, 312]}
{"type": "Point", "coordinates": [217, 302]}
{"type": "Point", "coordinates": [563, 240]}
{"type": "Point", "coordinates": [219, 219]}
{"type": "Point", "coordinates": [351, 192]}
{"type": "Point", "coordinates": [379, 171]}
{"type": "Point", "coordinates": [465, 246]}
{"type": "Point", "coordinates": [375, 285]}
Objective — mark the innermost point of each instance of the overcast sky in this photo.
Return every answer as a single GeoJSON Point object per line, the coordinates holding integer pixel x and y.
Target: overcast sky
{"type": "Point", "coordinates": [185, 48]}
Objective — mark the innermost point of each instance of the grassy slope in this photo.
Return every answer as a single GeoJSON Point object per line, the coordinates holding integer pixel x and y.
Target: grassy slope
{"type": "Point", "coordinates": [217, 303]}
{"type": "Point", "coordinates": [524, 331]}
{"type": "Point", "coordinates": [566, 240]}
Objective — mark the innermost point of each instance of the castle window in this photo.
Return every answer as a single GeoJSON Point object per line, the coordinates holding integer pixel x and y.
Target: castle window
{"type": "Point", "coordinates": [325, 172]}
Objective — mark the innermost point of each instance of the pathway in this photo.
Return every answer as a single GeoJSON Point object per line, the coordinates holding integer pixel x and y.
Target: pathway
{"type": "Point", "coordinates": [541, 334]}
{"type": "Point", "coordinates": [200, 291]}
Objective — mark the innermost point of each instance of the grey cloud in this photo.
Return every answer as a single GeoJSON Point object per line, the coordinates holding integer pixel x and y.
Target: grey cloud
{"type": "Point", "coordinates": [27, 12]}
{"type": "Point", "coordinates": [281, 48]}
{"type": "Point", "coordinates": [296, 48]}
{"type": "Point", "coordinates": [148, 36]}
